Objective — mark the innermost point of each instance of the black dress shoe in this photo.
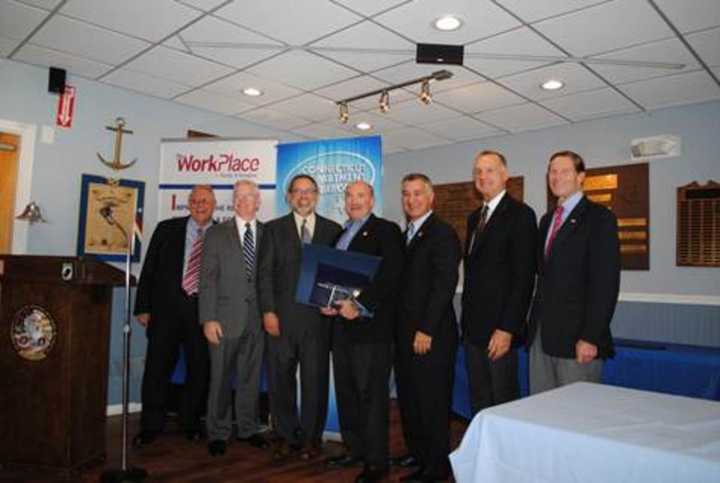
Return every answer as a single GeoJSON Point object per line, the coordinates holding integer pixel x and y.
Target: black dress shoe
{"type": "Point", "coordinates": [372, 474]}
{"type": "Point", "coordinates": [193, 435]}
{"type": "Point", "coordinates": [405, 461]}
{"type": "Point", "coordinates": [144, 438]}
{"type": "Point", "coordinates": [345, 460]}
{"type": "Point", "coordinates": [217, 447]}
{"type": "Point", "coordinates": [256, 441]}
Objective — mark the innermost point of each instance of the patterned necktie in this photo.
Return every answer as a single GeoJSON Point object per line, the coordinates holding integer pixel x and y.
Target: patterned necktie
{"type": "Point", "coordinates": [410, 232]}
{"type": "Point", "coordinates": [557, 222]}
{"type": "Point", "coordinates": [482, 221]}
{"type": "Point", "coordinates": [305, 233]}
{"type": "Point", "coordinates": [192, 271]}
{"type": "Point", "coordinates": [248, 247]}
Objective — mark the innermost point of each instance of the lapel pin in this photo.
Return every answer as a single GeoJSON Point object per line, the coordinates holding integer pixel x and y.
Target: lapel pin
{"type": "Point", "coordinates": [572, 220]}
{"type": "Point", "coordinates": [365, 233]}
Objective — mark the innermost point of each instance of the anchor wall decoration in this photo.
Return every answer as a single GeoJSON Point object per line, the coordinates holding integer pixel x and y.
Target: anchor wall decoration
{"type": "Point", "coordinates": [116, 164]}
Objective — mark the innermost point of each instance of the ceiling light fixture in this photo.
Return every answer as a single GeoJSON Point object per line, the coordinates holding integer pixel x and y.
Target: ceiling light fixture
{"type": "Point", "coordinates": [425, 95]}
{"type": "Point", "coordinates": [363, 126]}
{"type": "Point", "coordinates": [447, 23]}
{"type": "Point", "coordinates": [252, 92]}
{"type": "Point", "coordinates": [552, 85]}
{"type": "Point", "coordinates": [344, 112]}
{"type": "Point", "coordinates": [384, 102]}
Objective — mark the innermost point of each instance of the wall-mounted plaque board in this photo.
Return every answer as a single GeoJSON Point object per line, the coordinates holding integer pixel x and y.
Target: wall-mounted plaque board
{"type": "Point", "coordinates": [698, 225]}
{"type": "Point", "coordinates": [624, 190]}
{"type": "Point", "coordinates": [455, 201]}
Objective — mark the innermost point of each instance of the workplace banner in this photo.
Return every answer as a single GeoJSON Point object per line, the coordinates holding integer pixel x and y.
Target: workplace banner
{"type": "Point", "coordinates": [219, 163]}
{"type": "Point", "coordinates": [333, 163]}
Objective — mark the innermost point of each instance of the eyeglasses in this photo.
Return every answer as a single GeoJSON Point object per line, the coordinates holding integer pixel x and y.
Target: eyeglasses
{"type": "Point", "coordinates": [308, 191]}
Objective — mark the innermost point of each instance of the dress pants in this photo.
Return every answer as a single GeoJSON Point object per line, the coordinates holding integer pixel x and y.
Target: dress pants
{"type": "Point", "coordinates": [240, 357]}
{"type": "Point", "coordinates": [491, 382]}
{"type": "Point", "coordinates": [424, 385]}
{"type": "Point", "coordinates": [309, 348]}
{"type": "Point", "coordinates": [165, 336]}
{"type": "Point", "coordinates": [362, 373]}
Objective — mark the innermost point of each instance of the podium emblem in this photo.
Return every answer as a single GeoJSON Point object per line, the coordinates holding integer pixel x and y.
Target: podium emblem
{"type": "Point", "coordinates": [33, 332]}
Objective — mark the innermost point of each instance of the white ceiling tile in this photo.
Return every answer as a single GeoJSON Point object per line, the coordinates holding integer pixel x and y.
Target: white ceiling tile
{"type": "Point", "coordinates": [352, 87]}
{"type": "Point", "coordinates": [691, 15]}
{"type": "Point", "coordinates": [370, 7]}
{"type": "Point", "coordinates": [310, 106]}
{"type": "Point", "coordinates": [521, 118]}
{"type": "Point", "coordinates": [79, 66]}
{"type": "Point", "coordinates": [149, 20]}
{"type": "Point", "coordinates": [415, 112]}
{"type": "Point", "coordinates": [274, 119]}
{"type": "Point", "coordinates": [413, 138]}
{"type": "Point", "coordinates": [366, 35]}
{"type": "Point", "coordinates": [396, 96]}
{"type": "Point", "coordinates": [673, 90]}
{"type": "Point", "coordinates": [174, 42]}
{"type": "Point", "coordinates": [576, 79]}
{"type": "Point", "coordinates": [379, 122]}
{"type": "Point", "coordinates": [483, 96]}
{"type": "Point", "coordinates": [411, 70]}
{"type": "Point", "coordinates": [669, 50]}
{"type": "Point", "coordinates": [605, 27]}
{"type": "Point", "coordinates": [389, 147]}
{"type": "Point", "coordinates": [533, 11]}
{"type": "Point", "coordinates": [481, 18]}
{"type": "Point", "coordinates": [522, 41]}
{"type": "Point", "coordinates": [316, 71]}
{"type": "Point", "coordinates": [296, 23]}
{"type": "Point", "coordinates": [239, 58]}
{"type": "Point", "coordinates": [272, 91]}
{"type": "Point", "coordinates": [461, 129]}
{"type": "Point", "coordinates": [321, 131]}
{"type": "Point", "coordinates": [212, 101]}
{"type": "Point", "coordinates": [18, 20]}
{"type": "Point", "coordinates": [204, 5]}
{"type": "Point", "coordinates": [85, 40]}
{"type": "Point", "coordinates": [707, 45]}
{"type": "Point", "coordinates": [146, 84]}
{"type": "Point", "coordinates": [177, 66]}
{"type": "Point", "coordinates": [7, 46]}
{"type": "Point", "coordinates": [587, 105]}
{"type": "Point", "coordinates": [44, 4]}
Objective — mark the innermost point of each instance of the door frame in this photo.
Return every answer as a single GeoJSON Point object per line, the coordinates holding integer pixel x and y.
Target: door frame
{"type": "Point", "coordinates": [26, 156]}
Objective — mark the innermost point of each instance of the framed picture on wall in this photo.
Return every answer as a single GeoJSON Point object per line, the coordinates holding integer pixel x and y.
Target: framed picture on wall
{"type": "Point", "coordinates": [111, 217]}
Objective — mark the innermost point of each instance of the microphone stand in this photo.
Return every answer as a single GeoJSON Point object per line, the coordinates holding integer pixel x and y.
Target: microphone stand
{"type": "Point", "coordinates": [124, 474]}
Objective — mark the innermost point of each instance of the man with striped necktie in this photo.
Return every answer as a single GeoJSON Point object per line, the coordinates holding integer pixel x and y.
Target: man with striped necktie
{"type": "Point", "coordinates": [166, 304]}
{"type": "Point", "coordinates": [231, 322]}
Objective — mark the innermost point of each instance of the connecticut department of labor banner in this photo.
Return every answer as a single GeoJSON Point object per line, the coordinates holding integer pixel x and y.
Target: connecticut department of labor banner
{"type": "Point", "coordinates": [220, 163]}
{"type": "Point", "coordinates": [333, 163]}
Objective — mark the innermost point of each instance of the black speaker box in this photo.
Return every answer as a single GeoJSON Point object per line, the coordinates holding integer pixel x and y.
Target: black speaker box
{"type": "Point", "coordinates": [56, 80]}
{"type": "Point", "coordinates": [439, 54]}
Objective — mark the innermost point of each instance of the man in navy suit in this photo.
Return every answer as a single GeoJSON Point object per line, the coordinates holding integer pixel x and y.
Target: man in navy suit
{"type": "Point", "coordinates": [578, 283]}
{"type": "Point", "coordinates": [498, 283]}
{"type": "Point", "coordinates": [166, 304]}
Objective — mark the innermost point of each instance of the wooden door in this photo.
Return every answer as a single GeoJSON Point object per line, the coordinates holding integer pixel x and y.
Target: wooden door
{"type": "Point", "coordinates": [9, 155]}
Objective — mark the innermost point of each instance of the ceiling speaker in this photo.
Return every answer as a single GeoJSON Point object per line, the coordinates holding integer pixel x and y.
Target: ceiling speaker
{"type": "Point", "coordinates": [56, 80]}
{"type": "Point", "coordinates": [439, 54]}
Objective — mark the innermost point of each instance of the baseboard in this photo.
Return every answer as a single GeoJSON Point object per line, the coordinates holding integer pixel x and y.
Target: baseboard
{"type": "Point", "coordinates": [116, 409]}
{"type": "Point", "coordinates": [669, 298]}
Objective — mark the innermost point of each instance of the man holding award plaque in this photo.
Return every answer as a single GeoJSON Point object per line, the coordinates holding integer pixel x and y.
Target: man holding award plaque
{"type": "Point", "coordinates": [362, 337]}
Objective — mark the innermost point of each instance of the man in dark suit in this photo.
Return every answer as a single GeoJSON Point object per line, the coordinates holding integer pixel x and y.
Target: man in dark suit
{"type": "Point", "coordinates": [230, 318]}
{"type": "Point", "coordinates": [297, 334]}
{"type": "Point", "coordinates": [498, 283]}
{"type": "Point", "coordinates": [361, 344]}
{"type": "Point", "coordinates": [578, 283]}
{"type": "Point", "coordinates": [166, 304]}
{"type": "Point", "coordinates": [426, 335]}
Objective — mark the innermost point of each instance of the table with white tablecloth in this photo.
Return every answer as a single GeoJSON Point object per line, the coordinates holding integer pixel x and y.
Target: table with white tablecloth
{"type": "Point", "coordinates": [593, 433]}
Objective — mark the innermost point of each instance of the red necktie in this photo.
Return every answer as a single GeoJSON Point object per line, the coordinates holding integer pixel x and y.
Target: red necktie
{"type": "Point", "coordinates": [557, 222]}
{"type": "Point", "coordinates": [192, 271]}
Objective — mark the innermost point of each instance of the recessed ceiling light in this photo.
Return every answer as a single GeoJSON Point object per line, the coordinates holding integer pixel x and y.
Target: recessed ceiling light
{"type": "Point", "coordinates": [363, 126]}
{"type": "Point", "coordinates": [252, 92]}
{"type": "Point", "coordinates": [552, 85]}
{"type": "Point", "coordinates": [447, 23]}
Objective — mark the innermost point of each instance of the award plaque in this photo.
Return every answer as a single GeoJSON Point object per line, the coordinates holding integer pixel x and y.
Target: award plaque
{"type": "Point", "coordinates": [698, 225]}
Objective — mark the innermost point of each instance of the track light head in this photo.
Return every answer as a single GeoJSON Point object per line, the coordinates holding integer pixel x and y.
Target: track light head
{"type": "Point", "coordinates": [344, 113]}
{"type": "Point", "coordinates": [384, 102]}
{"type": "Point", "coordinates": [425, 95]}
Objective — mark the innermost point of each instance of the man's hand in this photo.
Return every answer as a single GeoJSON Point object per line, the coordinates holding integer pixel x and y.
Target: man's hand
{"type": "Point", "coordinates": [422, 343]}
{"type": "Point", "coordinates": [585, 351]}
{"type": "Point", "coordinates": [143, 319]}
{"type": "Point", "coordinates": [271, 323]}
{"type": "Point", "coordinates": [213, 331]}
{"type": "Point", "coordinates": [348, 309]}
{"type": "Point", "coordinates": [499, 344]}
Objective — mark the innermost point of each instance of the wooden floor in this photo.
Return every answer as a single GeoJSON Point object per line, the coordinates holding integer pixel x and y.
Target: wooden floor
{"type": "Point", "coordinates": [172, 458]}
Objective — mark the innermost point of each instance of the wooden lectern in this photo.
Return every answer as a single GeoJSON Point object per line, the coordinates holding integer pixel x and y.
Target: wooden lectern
{"type": "Point", "coordinates": [54, 339]}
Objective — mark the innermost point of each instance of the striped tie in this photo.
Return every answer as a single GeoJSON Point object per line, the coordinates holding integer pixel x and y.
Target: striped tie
{"type": "Point", "coordinates": [249, 251]}
{"type": "Point", "coordinates": [192, 271]}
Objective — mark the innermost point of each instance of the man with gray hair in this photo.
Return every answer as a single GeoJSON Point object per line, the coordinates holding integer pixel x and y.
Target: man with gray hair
{"type": "Point", "coordinates": [231, 323]}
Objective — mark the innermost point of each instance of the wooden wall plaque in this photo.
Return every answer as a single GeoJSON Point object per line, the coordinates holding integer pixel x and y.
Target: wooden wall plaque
{"type": "Point", "coordinates": [455, 201]}
{"type": "Point", "coordinates": [698, 225]}
{"type": "Point", "coordinates": [625, 190]}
